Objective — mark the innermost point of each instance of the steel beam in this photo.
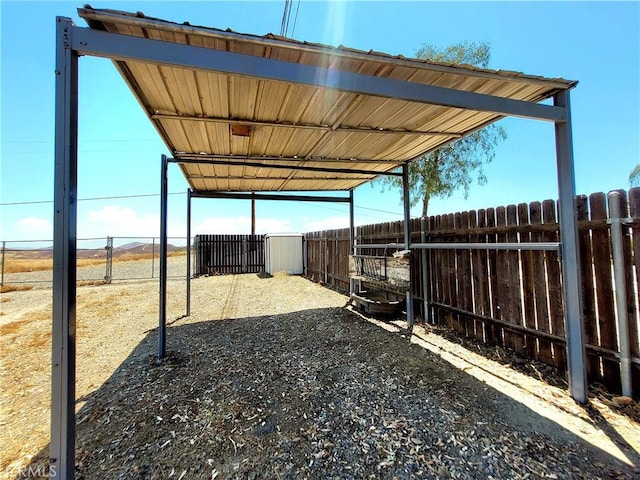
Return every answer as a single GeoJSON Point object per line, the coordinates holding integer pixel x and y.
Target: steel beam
{"type": "Point", "coordinates": [301, 126]}
{"type": "Point", "coordinates": [274, 179]}
{"type": "Point", "coordinates": [538, 246]}
{"type": "Point", "coordinates": [183, 157]}
{"type": "Point", "coordinates": [304, 168]}
{"type": "Point", "coordinates": [406, 199]}
{"type": "Point", "coordinates": [128, 48]}
{"type": "Point", "coordinates": [144, 22]}
{"type": "Point", "coordinates": [351, 238]}
{"type": "Point", "coordinates": [268, 196]}
{"type": "Point", "coordinates": [571, 275]}
{"type": "Point", "coordinates": [424, 265]}
{"type": "Point", "coordinates": [63, 362]}
{"type": "Point", "coordinates": [162, 321]}
{"type": "Point", "coordinates": [188, 252]}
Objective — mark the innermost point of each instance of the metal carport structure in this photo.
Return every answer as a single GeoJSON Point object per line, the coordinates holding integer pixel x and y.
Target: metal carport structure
{"type": "Point", "coordinates": [244, 113]}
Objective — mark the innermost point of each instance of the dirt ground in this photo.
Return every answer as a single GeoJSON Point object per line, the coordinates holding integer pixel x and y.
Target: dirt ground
{"type": "Point", "coordinates": [275, 378]}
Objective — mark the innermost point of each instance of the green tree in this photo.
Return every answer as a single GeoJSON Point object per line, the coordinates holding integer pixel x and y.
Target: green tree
{"type": "Point", "coordinates": [443, 171]}
{"type": "Point", "coordinates": [634, 176]}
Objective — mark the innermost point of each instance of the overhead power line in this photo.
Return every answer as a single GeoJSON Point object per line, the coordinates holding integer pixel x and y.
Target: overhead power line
{"type": "Point", "coordinates": [87, 141]}
{"type": "Point", "coordinates": [286, 16]}
{"type": "Point", "coordinates": [41, 202]}
{"type": "Point", "coordinates": [92, 198]}
{"type": "Point", "coordinates": [295, 20]}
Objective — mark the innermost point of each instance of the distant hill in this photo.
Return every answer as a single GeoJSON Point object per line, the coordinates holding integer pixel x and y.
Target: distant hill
{"type": "Point", "coordinates": [127, 250]}
{"type": "Point", "coordinates": [138, 248]}
{"type": "Point", "coordinates": [132, 245]}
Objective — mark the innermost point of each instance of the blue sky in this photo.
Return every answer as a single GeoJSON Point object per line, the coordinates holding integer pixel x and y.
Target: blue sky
{"type": "Point", "coordinates": [596, 43]}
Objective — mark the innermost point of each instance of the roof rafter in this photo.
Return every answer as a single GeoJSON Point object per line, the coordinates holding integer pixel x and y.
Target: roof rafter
{"type": "Point", "coordinates": [184, 157]}
{"type": "Point", "coordinates": [239, 163]}
{"type": "Point", "coordinates": [275, 179]}
{"type": "Point", "coordinates": [327, 128]}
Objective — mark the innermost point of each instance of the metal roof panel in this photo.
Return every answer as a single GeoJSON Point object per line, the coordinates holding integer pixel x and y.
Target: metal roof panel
{"type": "Point", "coordinates": [205, 113]}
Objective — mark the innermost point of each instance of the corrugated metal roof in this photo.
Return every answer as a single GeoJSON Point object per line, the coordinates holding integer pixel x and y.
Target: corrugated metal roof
{"type": "Point", "coordinates": [229, 118]}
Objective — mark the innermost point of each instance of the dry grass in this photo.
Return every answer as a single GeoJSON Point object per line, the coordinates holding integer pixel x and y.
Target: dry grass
{"type": "Point", "coordinates": [18, 263]}
{"type": "Point", "coordinates": [15, 288]}
{"type": "Point", "coordinates": [89, 283]}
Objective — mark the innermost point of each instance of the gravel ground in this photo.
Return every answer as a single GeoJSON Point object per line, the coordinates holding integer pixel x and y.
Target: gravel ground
{"type": "Point", "coordinates": [275, 378]}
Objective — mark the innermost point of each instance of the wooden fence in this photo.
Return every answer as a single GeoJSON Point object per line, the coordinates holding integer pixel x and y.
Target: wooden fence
{"type": "Point", "coordinates": [224, 254]}
{"type": "Point", "coordinates": [512, 298]}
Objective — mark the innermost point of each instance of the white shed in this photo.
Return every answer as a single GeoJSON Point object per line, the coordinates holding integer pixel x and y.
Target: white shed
{"type": "Point", "coordinates": [283, 253]}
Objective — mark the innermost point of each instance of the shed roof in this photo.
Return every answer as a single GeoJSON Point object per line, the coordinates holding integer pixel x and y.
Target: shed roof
{"type": "Point", "coordinates": [250, 133]}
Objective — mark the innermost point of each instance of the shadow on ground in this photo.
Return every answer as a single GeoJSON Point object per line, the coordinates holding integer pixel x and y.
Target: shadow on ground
{"type": "Point", "coordinates": [318, 394]}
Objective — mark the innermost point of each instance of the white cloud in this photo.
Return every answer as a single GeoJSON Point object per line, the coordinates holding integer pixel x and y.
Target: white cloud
{"type": "Point", "coordinates": [118, 221]}
{"type": "Point", "coordinates": [327, 224]}
{"type": "Point", "coordinates": [35, 228]}
{"type": "Point", "coordinates": [240, 225]}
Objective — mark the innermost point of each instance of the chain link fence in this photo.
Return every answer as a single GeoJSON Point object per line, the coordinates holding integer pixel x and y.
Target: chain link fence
{"type": "Point", "coordinates": [28, 264]}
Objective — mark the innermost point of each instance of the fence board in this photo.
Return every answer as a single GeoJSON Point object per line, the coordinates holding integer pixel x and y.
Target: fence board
{"type": "Point", "coordinates": [483, 272]}
{"type": "Point", "coordinates": [528, 284]}
{"type": "Point", "coordinates": [540, 284]}
{"type": "Point", "coordinates": [494, 332]}
{"type": "Point", "coordinates": [465, 277]}
{"type": "Point", "coordinates": [514, 301]}
{"type": "Point", "coordinates": [457, 277]}
{"type": "Point", "coordinates": [594, 372]}
{"type": "Point", "coordinates": [554, 286]}
{"type": "Point", "coordinates": [604, 290]}
{"type": "Point", "coordinates": [502, 274]}
{"type": "Point", "coordinates": [450, 272]}
{"type": "Point", "coordinates": [477, 283]}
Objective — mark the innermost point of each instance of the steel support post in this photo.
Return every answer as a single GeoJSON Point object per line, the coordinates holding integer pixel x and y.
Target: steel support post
{"type": "Point", "coordinates": [4, 248]}
{"type": "Point", "coordinates": [162, 326]}
{"type": "Point", "coordinates": [63, 371]}
{"type": "Point", "coordinates": [621, 293]}
{"type": "Point", "coordinates": [188, 252]}
{"type": "Point", "coordinates": [351, 239]}
{"type": "Point", "coordinates": [253, 213]}
{"type": "Point", "coordinates": [153, 256]}
{"type": "Point", "coordinates": [407, 236]}
{"type": "Point", "coordinates": [424, 265]}
{"type": "Point", "coordinates": [572, 294]}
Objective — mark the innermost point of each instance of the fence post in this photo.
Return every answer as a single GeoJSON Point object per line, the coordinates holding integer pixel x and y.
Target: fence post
{"type": "Point", "coordinates": [188, 299]}
{"type": "Point", "coordinates": [624, 346]}
{"type": "Point", "coordinates": [153, 256]}
{"type": "Point", "coordinates": [244, 254]}
{"type": "Point", "coordinates": [4, 244]}
{"type": "Point", "coordinates": [326, 260]}
{"type": "Point", "coordinates": [109, 262]}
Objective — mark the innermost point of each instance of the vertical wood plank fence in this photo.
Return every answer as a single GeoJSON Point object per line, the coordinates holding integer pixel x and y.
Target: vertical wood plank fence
{"type": "Point", "coordinates": [512, 298]}
{"type": "Point", "coordinates": [227, 254]}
